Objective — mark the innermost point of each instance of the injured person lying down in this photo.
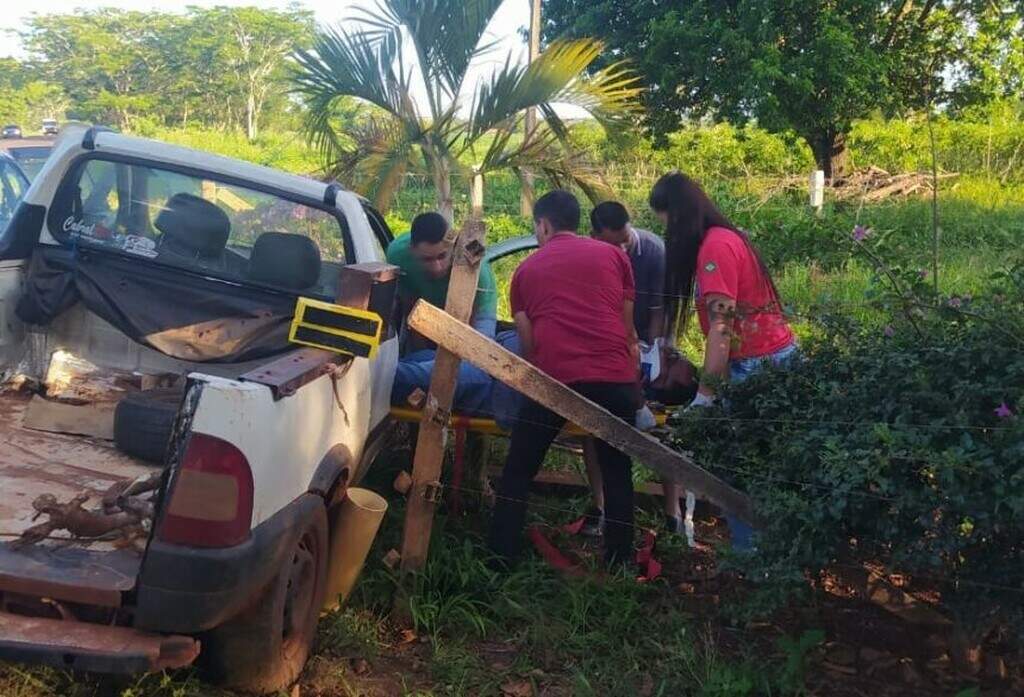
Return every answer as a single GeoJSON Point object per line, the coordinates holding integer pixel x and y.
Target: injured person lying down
{"type": "Point", "coordinates": [477, 394]}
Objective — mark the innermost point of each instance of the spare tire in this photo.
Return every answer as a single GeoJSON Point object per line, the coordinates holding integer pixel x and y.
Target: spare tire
{"type": "Point", "coordinates": [143, 422]}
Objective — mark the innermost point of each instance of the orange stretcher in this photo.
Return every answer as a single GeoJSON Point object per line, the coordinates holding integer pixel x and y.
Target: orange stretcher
{"type": "Point", "coordinates": [487, 426]}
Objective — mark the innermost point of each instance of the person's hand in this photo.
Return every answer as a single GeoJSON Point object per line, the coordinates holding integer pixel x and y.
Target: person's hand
{"type": "Point", "coordinates": [645, 420]}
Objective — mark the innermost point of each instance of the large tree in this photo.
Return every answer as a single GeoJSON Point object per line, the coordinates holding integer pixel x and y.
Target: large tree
{"type": "Point", "coordinates": [425, 47]}
{"type": "Point", "coordinates": [217, 66]}
{"type": "Point", "coordinates": [809, 67]}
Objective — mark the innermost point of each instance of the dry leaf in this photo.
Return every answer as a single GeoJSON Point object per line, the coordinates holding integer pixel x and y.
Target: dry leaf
{"type": "Point", "coordinates": [517, 688]}
{"type": "Point", "coordinates": [408, 636]}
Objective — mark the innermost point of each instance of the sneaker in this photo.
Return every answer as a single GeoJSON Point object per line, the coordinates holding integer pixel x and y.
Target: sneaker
{"type": "Point", "coordinates": [593, 526]}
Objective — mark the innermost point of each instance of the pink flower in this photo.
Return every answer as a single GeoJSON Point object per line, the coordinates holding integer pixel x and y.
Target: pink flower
{"type": "Point", "coordinates": [1003, 411]}
{"type": "Point", "coordinates": [889, 331]}
{"type": "Point", "coordinates": [955, 302]}
{"type": "Point", "coordinates": [861, 233]}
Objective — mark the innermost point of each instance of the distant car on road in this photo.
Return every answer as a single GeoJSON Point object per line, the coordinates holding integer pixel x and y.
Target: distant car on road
{"type": "Point", "coordinates": [50, 127]}
{"type": "Point", "coordinates": [30, 153]}
{"type": "Point", "coordinates": [11, 131]}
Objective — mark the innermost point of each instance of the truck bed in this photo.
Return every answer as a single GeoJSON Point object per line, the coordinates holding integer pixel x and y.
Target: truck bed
{"type": "Point", "coordinates": [37, 462]}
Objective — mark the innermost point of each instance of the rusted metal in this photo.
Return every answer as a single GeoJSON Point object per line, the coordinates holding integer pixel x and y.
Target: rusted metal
{"type": "Point", "coordinates": [69, 573]}
{"type": "Point", "coordinates": [432, 491]}
{"type": "Point", "coordinates": [287, 374]}
{"type": "Point", "coordinates": [85, 646]}
{"type": "Point", "coordinates": [33, 463]}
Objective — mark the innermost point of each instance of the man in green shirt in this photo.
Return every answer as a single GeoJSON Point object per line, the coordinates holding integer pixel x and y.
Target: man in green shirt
{"type": "Point", "coordinates": [425, 261]}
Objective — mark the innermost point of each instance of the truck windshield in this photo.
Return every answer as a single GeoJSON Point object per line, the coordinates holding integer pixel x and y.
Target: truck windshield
{"type": "Point", "coordinates": [204, 225]}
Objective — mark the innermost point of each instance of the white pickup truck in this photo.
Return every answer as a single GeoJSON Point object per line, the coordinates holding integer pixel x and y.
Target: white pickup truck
{"type": "Point", "coordinates": [185, 460]}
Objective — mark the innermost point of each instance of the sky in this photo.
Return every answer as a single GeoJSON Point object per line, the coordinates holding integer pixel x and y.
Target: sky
{"type": "Point", "coordinates": [510, 18]}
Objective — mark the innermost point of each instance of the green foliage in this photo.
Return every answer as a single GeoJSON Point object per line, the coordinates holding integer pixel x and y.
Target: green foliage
{"type": "Point", "coordinates": [810, 68]}
{"type": "Point", "coordinates": [445, 36]}
{"type": "Point", "coordinates": [899, 445]}
{"type": "Point", "coordinates": [215, 67]}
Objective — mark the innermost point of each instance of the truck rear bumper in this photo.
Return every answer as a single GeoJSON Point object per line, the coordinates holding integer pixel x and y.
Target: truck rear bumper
{"type": "Point", "coordinates": [189, 590]}
{"type": "Point", "coordinates": [91, 647]}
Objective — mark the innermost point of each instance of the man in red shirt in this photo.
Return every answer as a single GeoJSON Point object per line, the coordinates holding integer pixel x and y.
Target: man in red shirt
{"type": "Point", "coordinates": [572, 302]}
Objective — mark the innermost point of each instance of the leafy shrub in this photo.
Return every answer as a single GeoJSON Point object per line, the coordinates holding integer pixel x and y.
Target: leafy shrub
{"type": "Point", "coordinates": [900, 445]}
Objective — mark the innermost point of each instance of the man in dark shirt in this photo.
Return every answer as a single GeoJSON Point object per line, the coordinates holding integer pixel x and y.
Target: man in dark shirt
{"type": "Point", "coordinates": [572, 303]}
{"type": "Point", "coordinates": [609, 222]}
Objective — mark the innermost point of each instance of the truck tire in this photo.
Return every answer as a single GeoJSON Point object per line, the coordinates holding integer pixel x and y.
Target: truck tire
{"type": "Point", "coordinates": [264, 649]}
{"type": "Point", "coordinates": [143, 422]}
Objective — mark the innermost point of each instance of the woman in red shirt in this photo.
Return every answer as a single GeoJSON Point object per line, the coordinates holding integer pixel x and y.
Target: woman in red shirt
{"type": "Point", "coordinates": [712, 261]}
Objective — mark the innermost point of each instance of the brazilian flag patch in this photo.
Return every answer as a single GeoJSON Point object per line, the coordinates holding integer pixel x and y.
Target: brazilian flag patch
{"type": "Point", "coordinates": [710, 266]}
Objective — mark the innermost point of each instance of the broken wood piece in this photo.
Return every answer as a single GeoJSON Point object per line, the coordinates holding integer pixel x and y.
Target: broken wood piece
{"type": "Point", "coordinates": [95, 420]}
{"type": "Point", "coordinates": [391, 559]}
{"type": "Point", "coordinates": [80, 523]}
{"type": "Point", "coordinates": [501, 364]}
{"type": "Point", "coordinates": [402, 483]}
{"type": "Point", "coordinates": [417, 398]}
{"type": "Point", "coordinates": [430, 442]}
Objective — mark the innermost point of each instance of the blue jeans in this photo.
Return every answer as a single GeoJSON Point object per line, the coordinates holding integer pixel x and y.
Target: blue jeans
{"type": "Point", "coordinates": [741, 534]}
{"type": "Point", "coordinates": [476, 392]}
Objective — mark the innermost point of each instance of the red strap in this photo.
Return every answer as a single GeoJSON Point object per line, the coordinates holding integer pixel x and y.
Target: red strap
{"type": "Point", "coordinates": [575, 526]}
{"type": "Point", "coordinates": [645, 558]}
{"type": "Point", "coordinates": [551, 554]}
{"type": "Point", "coordinates": [650, 566]}
{"type": "Point", "coordinates": [458, 464]}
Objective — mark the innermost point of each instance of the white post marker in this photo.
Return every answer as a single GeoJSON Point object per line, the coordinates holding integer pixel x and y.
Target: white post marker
{"type": "Point", "coordinates": [817, 189]}
{"type": "Point", "coordinates": [476, 195]}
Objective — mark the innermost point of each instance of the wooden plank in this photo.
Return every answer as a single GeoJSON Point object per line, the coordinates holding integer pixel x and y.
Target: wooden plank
{"type": "Point", "coordinates": [426, 471]}
{"type": "Point", "coordinates": [519, 374]}
{"type": "Point", "coordinates": [96, 420]}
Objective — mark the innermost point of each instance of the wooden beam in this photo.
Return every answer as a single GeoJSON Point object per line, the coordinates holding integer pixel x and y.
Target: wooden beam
{"type": "Point", "coordinates": [426, 469]}
{"type": "Point", "coordinates": [501, 364]}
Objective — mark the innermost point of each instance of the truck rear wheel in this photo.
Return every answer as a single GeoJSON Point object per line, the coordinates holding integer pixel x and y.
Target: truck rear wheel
{"type": "Point", "coordinates": [264, 649]}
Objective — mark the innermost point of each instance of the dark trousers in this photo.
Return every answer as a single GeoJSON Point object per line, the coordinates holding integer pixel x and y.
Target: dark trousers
{"type": "Point", "coordinates": [532, 435]}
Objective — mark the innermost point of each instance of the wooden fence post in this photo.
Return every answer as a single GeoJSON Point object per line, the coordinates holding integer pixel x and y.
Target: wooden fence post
{"type": "Point", "coordinates": [426, 470]}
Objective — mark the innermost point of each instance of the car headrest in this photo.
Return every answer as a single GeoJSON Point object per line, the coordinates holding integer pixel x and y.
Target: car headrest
{"type": "Point", "coordinates": [194, 224]}
{"type": "Point", "coordinates": [286, 260]}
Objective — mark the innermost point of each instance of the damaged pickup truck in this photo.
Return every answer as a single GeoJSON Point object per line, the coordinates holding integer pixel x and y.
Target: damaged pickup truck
{"type": "Point", "coordinates": [170, 466]}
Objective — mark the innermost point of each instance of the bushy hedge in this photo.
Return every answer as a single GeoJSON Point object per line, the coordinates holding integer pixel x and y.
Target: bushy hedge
{"type": "Point", "coordinates": [902, 445]}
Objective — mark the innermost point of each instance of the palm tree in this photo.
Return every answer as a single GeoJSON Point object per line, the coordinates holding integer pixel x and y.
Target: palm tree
{"type": "Point", "coordinates": [431, 43]}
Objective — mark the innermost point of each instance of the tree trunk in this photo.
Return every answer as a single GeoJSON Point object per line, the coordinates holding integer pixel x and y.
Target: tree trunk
{"type": "Point", "coordinates": [250, 117]}
{"type": "Point", "coordinates": [829, 153]}
{"type": "Point", "coordinates": [443, 185]}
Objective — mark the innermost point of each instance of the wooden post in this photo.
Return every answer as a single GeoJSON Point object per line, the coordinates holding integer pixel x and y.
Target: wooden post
{"type": "Point", "coordinates": [817, 190]}
{"type": "Point", "coordinates": [526, 178]}
{"type": "Point", "coordinates": [426, 469]}
{"type": "Point", "coordinates": [517, 373]}
{"type": "Point", "coordinates": [476, 194]}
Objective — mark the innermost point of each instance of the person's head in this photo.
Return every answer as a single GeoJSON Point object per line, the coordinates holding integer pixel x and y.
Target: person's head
{"type": "Point", "coordinates": [687, 213]}
{"type": "Point", "coordinates": [428, 244]}
{"type": "Point", "coordinates": [676, 382]}
{"type": "Point", "coordinates": [554, 212]}
{"type": "Point", "coordinates": [609, 222]}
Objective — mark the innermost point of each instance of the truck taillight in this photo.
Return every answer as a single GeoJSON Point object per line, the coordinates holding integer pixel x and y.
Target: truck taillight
{"type": "Point", "coordinates": [211, 501]}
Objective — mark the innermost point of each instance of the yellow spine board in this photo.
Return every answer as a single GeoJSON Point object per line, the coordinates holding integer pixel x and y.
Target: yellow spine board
{"type": "Point", "coordinates": [336, 328]}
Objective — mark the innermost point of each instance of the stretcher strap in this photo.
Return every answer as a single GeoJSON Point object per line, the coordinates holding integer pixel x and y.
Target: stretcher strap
{"type": "Point", "coordinates": [649, 565]}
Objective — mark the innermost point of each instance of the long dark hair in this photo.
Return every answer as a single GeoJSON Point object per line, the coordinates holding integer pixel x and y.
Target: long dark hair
{"type": "Point", "coordinates": [690, 215]}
